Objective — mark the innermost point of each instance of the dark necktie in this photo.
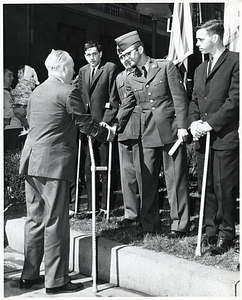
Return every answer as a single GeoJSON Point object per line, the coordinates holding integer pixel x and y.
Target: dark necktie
{"type": "Point", "coordinates": [92, 74]}
{"type": "Point", "coordinates": [144, 71]}
{"type": "Point", "coordinates": [210, 65]}
{"type": "Point", "coordinates": [7, 89]}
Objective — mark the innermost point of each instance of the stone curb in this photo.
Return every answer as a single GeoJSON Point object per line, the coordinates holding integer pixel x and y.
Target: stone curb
{"type": "Point", "coordinates": [155, 274]}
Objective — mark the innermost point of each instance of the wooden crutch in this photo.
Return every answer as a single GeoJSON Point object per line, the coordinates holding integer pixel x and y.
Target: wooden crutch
{"type": "Point", "coordinates": [78, 174]}
{"type": "Point", "coordinates": [203, 193]}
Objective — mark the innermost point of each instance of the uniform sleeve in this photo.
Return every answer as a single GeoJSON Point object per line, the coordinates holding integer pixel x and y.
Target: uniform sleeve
{"type": "Point", "coordinates": [178, 94]}
{"type": "Point", "coordinates": [194, 112]}
{"type": "Point", "coordinates": [126, 107]}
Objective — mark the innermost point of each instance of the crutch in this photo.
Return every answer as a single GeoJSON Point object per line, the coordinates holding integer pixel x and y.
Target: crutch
{"type": "Point", "coordinates": [94, 250]}
{"type": "Point", "coordinates": [203, 193]}
{"type": "Point", "coordinates": [78, 174]}
{"type": "Point", "coordinates": [109, 178]}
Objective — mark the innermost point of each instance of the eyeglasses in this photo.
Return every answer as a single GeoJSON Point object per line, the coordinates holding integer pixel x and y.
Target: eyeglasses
{"type": "Point", "coordinates": [126, 55]}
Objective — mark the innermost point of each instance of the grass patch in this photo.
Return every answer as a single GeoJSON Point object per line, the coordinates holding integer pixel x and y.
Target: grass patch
{"type": "Point", "coordinates": [14, 204]}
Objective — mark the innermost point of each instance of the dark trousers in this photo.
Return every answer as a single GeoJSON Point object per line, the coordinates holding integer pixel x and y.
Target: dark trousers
{"type": "Point", "coordinates": [11, 139]}
{"type": "Point", "coordinates": [47, 231]}
{"type": "Point", "coordinates": [221, 191]}
{"type": "Point", "coordinates": [176, 177]}
{"type": "Point", "coordinates": [131, 178]}
{"type": "Point", "coordinates": [101, 159]}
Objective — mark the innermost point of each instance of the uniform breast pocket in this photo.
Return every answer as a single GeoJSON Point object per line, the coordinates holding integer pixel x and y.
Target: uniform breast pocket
{"type": "Point", "coordinates": [121, 90]}
{"type": "Point", "coordinates": [139, 93]}
{"type": "Point", "coordinates": [160, 88]}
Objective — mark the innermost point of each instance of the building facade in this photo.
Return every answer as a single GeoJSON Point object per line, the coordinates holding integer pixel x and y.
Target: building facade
{"type": "Point", "coordinates": [32, 30]}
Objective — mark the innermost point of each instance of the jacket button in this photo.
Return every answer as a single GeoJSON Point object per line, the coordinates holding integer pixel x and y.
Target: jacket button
{"type": "Point", "coordinates": [205, 98]}
{"type": "Point", "coordinates": [151, 101]}
{"type": "Point", "coordinates": [205, 114]}
{"type": "Point", "coordinates": [147, 86]}
{"type": "Point", "coordinates": [149, 93]}
{"type": "Point", "coordinates": [153, 108]}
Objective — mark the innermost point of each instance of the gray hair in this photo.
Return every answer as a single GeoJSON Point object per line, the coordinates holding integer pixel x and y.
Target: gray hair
{"type": "Point", "coordinates": [57, 59]}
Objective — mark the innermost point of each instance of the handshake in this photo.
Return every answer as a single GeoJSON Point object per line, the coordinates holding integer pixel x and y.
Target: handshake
{"type": "Point", "coordinates": [111, 131]}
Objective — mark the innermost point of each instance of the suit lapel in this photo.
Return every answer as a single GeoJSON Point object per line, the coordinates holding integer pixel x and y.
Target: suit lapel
{"type": "Point", "coordinates": [221, 59]}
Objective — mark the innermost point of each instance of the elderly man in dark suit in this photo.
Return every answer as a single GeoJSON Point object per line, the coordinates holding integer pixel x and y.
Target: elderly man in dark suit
{"type": "Point", "coordinates": [156, 87]}
{"type": "Point", "coordinates": [215, 108]}
{"type": "Point", "coordinates": [96, 84]}
{"type": "Point", "coordinates": [48, 162]}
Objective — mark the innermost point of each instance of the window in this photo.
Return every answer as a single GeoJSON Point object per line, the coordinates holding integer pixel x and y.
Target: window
{"type": "Point", "coordinates": [71, 39]}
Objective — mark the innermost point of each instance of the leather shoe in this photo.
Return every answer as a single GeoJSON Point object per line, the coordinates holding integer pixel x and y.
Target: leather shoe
{"type": "Point", "coordinates": [209, 240]}
{"type": "Point", "coordinates": [176, 234]}
{"type": "Point", "coordinates": [125, 222]}
{"type": "Point", "coordinates": [221, 247]}
{"type": "Point", "coordinates": [27, 283]}
{"type": "Point", "coordinates": [67, 288]}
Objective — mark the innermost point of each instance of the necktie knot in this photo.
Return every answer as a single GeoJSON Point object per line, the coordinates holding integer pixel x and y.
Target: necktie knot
{"type": "Point", "coordinates": [144, 71]}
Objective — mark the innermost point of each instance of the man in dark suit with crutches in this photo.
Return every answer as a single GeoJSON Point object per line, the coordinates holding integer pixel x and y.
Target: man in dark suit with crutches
{"type": "Point", "coordinates": [96, 83]}
{"type": "Point", "coordinates": [215, 108]}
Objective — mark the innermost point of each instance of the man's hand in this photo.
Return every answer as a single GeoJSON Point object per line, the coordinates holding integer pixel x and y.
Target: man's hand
{"type": "Point", "coordinates": [182, 134]}
{"type": "Point", "coordinates": [111, 132]}
{"type": "Point", "coordinates": [195, 131]}
{"type": "Point", "coordinates": [199, 129]}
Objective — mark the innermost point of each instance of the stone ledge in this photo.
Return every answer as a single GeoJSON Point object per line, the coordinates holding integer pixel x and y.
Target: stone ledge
{"type": "Point", "coordinates": [155, 274]}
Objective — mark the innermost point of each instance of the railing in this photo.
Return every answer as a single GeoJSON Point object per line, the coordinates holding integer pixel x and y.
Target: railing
{"type": "Point", "coordinates": [126, 13]}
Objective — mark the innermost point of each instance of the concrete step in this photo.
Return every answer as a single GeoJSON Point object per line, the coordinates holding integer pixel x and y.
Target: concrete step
{"type": "Point", "coordinates": [145, 271]}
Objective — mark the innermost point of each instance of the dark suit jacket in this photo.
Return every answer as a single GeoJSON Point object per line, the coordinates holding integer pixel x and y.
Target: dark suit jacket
{"type": "Point", "coordinates": [215, 99]}
{"type": "Point", "coordinates": [100, 96]}
{"type": "Point", "coordinates": [132, 129]}
{"type": "Point", "coordinates": [51, 145]}
{"type": "Point", "coordinates": [163, 101]}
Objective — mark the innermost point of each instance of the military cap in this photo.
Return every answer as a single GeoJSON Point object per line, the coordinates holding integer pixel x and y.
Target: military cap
{"type": "Point", "coordinates": [125, 41]}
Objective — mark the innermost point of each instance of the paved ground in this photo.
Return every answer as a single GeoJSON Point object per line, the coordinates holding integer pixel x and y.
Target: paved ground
{"type": "Point", "coordinates": [13, 262]}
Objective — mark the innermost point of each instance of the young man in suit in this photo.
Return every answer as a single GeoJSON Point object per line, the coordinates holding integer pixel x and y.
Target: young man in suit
{"type": "Point", "coordinates": [48, 162]}
{"type": "Point", "coordinates": [156, 87]}
{"type": "Point", "coordinates": [96, 82]}
{"type": "Point", "coordinates": [215, 108]}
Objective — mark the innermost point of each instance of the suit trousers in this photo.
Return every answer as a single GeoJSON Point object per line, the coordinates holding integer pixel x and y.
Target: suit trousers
{"type": "Point", "coordinates": [176, 177]}
{"type": "Point", "coordinates": [101, 159]}
{"type": "Point", "coordinates": [47, 231]}
{"type": "Point", "coordinates": [131, 178]}
{"type": "Point", "coordinates": [221, 191]}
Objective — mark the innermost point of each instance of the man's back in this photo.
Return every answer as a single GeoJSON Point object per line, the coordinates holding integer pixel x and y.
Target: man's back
{"type": "Point", "coordinates": [52, 139]}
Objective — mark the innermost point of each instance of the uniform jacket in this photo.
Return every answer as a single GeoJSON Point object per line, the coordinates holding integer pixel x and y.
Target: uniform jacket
{"type": "Point", "coordinates": [54, 118]}
{"type": "Point", "coordinates": [216, 100]}
{"type": "Point", "coordinates": [100, 96]}
{"type": "Point", "coordinates": [162, 99]}
{"type": "Point", "coordinates": [132, 129]}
